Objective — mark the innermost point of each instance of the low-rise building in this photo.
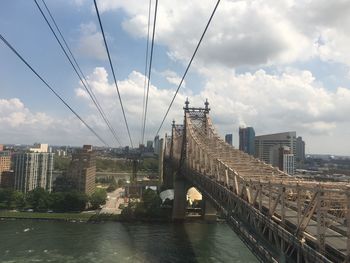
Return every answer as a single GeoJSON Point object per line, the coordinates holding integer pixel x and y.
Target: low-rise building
{"type": "Point", "coordinates": [5, 162]}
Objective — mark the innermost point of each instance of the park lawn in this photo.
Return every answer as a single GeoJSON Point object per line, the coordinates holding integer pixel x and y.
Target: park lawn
{"type": "Point", "coordinates": [49, 216]}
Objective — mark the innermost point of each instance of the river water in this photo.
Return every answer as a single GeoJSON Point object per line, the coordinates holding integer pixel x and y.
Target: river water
{"type": "Point", "coordinates": [49, 241]}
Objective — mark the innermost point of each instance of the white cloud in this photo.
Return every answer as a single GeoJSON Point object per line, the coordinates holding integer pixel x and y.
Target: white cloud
{"type": "Point", "coordinates": [266, 35]}
{"type": "Point", "coordinates": [13, 113]}
{"type": "Point", "coordinates": [246, 32]}
{"type": "Point", "coordinates": [90, 43]}
{"type": "Point", "coordinates": [173, 78]}
{"type": "Point", "coordinates": [131, 90]}
{"type": "Point", "coordinates": [241, 33]}
{"type": "Point", "coordinates": [18, 124]}
{"type": "Point", "coordinates": [292, 100]}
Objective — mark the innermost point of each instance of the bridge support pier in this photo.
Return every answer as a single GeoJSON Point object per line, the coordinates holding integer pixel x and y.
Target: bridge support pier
{"type": "Point", "coordinates": [209, 213]}
{"type": "Point", "coordinates": [168, 175]}
{"type": "Point", "coordinates": [179, 207]}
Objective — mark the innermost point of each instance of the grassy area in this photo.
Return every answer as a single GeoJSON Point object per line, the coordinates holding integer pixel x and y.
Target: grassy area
{"type": "Point", "coordinates": [49, 216]}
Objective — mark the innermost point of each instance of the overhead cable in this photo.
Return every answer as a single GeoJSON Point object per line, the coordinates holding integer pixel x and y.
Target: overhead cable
{"type": "Point", "coordinates": [113, 73]}
{"type": "Point", "coordinates": [188, 66]}
{"type": "Point", "coordinates": [149, 71]}
{"type": "Point", "coordinates": [76, 67]}
{"type": "Point", "coordinates": [146, 67]}
{"type": "Point", "coordinates": [51, 89]}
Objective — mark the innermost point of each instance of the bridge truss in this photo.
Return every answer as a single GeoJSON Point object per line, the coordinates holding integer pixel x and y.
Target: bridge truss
{"type": "Point", "coordinates": [280, 217]}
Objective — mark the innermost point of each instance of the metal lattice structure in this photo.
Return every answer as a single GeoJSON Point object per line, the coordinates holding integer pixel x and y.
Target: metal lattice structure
{"type": "Point", "coordinates": [281, 217]}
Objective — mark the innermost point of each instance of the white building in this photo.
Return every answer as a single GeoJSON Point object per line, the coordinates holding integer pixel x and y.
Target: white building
{"type": "Point", "coordinates": [289, 163]}
{"type": "Point", "coordinates": [32, 170]}
{"type": "Point", "coordinates": [40, 148]}
{"type": "Point", "coordinates": [271, 148]}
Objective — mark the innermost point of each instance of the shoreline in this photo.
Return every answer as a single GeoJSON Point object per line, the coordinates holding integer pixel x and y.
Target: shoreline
{"type": "Point", "coordinates": [68, 217]}
{"type": "Point", "coordinates": [91, 218]}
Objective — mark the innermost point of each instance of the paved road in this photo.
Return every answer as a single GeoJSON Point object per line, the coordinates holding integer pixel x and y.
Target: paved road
{"type": "Point", "coordinates": [113, 202]}
{"type": "Point", "coordinates": [333, 238]}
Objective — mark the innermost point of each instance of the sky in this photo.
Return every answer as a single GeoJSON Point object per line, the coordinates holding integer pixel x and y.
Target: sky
{"type": "Point", "coordinates": [275, 65]}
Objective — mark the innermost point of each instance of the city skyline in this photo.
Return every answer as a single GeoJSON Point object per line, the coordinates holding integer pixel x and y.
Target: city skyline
{"type": "Point", "coordinates": [298, 81]}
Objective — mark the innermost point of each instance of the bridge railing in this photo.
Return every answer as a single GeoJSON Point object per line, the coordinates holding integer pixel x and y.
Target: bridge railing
{"type": "Point", "coordinates": [314, 211]}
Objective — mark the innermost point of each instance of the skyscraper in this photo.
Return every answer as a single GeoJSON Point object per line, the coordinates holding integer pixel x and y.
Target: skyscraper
{"type": "Point", "coordinates": [282, 158]}
{"type": "Point", "coordinates": [82, 170]}
{"type": "Point", "coordinates": [246, 140]}
{"type": "Point", "coordinates": [149, 146]}
{"type": "Point", "coordinates": [156, 145]}
{"type": "Point", "coordinates": [32, 170]}
{"type": "Point", "coordinates": [228, 138]}
{"type": "Point", "coordinates": [300, 152]}
{"type": "Point", "coordinates": [264, 143]}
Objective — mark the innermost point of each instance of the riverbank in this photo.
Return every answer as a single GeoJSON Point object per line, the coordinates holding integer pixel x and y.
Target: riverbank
{"type": "Point", "coordinates": [89, 217]}
{"type": "Point", "coordinates": [82, 217]}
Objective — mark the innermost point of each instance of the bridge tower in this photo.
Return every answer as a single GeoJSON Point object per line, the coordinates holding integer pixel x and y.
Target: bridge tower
{"type": "Point", "coordinates": [181, 185]}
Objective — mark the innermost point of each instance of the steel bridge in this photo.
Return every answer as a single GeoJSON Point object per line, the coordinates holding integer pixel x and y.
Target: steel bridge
{"type": "Point", "coordinates": [280, 217]}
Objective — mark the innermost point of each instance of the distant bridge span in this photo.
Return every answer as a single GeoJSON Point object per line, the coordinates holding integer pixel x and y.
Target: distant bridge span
{"type": "Point", "coordinates": [281, 218]}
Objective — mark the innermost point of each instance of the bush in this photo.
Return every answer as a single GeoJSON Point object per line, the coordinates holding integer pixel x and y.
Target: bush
{"type": "Point", "coordinates": [98, 198]}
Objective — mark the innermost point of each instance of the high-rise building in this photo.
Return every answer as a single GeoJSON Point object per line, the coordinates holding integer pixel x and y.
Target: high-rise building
{"type": "Point", "coordinates": [264, 143]}
{"type": "Point", "coordinates": [282, 158]}
{"type": "Point", "coordinates": [300, 152]}
{"type": "Point", "coordinates": [156, 145]}
{"type": "Point", "coordinates": [82, 170]}
{"type": "Point", "coordinates": [229, 138]}
{"type": "Point", "coordinates": [246, 140]}
{"type": "Point", "coordinates": [32, 170]}
{"type": "Point", "coordinates": [5, 162]}
{"type": "Point", "coordinates": [289, 163]}
{"type": "Point", "coordinates": [149, 146]}
{"type": "Point", "coordinates": [7, 179]}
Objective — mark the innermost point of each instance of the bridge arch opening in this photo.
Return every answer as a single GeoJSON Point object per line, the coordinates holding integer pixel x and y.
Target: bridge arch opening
{"type": "Point", "coordinates": [194, 202]}
{"type": "Point", "coordinates": [198, 206]}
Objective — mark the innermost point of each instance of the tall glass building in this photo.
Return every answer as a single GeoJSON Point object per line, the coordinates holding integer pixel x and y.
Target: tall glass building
{"type": "Point", "coordinates": [247, 140]}
{"type": "Point", "coordinates": [229, 138]}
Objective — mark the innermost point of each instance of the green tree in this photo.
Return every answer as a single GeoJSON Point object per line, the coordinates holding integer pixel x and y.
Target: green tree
{"type": "Point", "coordinates": [112, 186]}
{"type": "Point", "coordinates": [58, 201]}
{"type": "Point", "coordinates": [5, 198]}
{"type": "Point", "coordinates": [18, 200]}
{"type": "Point", "coordinates": [74, 201]}
{"type": "Point", "coordinates": [38, 199]}
{"type": "Point", "coordinates": [150, 164]}
{"type": "Point", "coordinates": [61, 163]}
{"type": "Point", "coordinates": [149, 205]}
{"type": "Point", "coordinates": [98, 198]}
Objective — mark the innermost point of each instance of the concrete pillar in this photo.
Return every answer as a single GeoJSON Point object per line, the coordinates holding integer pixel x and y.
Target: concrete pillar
{"type": "Point", "coordinates": [209, 213]}
{"type": "Point", "coordinates": [161, 161]}
{"type": "Point", "coordinates": [168, 176]}
{"type": "Point", "coordinates": [179, 207]}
